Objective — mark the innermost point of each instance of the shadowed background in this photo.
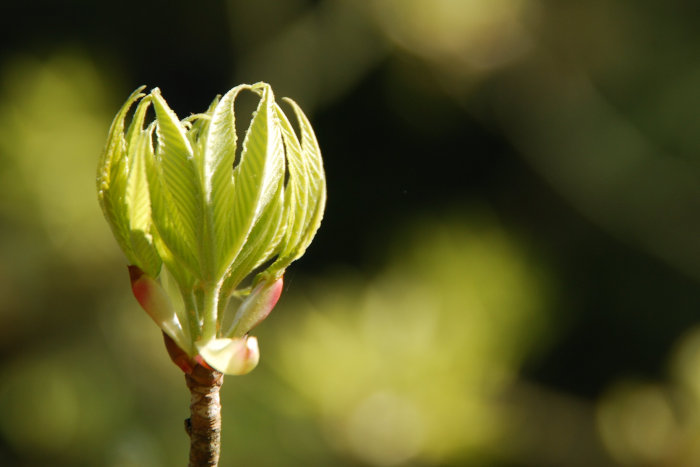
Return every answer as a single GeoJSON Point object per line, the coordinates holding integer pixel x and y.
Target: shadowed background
{"type": "Point", "coordinates": [506, 275]}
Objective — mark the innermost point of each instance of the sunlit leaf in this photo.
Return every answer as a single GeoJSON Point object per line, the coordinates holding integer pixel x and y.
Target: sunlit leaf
{"type": "Point", "coordinates": [308, 187]}
{"type": "Point", "coordinates": [218, 159]}
{"type": "Point", "coordinates": [297, 191]}
{"type": "Point", "coordinates": [262, 241]}
{"type": "Point", "coordinates": [175, 190]}
{"type": "Point", "coordinates": [198, 132]}
{"type": "Point", "coordinates": [138, 205]}
{"type": "Point", "coordinates": [316, 177]}
{"type": "Point", "coordinates": [260, 171]}
{"type": "Point", "coordinates": [112, 174]}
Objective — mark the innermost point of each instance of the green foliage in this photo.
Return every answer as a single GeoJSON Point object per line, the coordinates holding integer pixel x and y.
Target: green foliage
{"type": "Point", "coordinates": [186, 212]}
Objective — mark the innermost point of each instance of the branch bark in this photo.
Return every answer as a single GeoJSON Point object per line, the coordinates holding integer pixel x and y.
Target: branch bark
{"type": "Point", "coordinates": [204, 424]}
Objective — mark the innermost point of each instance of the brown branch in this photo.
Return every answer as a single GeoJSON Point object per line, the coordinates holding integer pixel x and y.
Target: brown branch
{"type": "Point", "coordinates": [204, 424]}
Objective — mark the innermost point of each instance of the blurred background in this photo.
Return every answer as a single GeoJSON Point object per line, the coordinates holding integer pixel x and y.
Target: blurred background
{"type": "Point", "coordinates": [506, 275]}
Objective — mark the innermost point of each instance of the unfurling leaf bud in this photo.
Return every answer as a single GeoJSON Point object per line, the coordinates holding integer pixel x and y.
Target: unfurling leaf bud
{"type": "Point", "coordinates": [195, 220]}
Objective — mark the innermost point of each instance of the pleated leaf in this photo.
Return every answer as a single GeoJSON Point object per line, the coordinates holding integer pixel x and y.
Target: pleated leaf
{"type": "Point", "coordinates": [297, 191]}
{"type": "Point", "coordinates": [136, 197]}
{"type": "Point", "coordinates": [175, 188]}
{"type": "Point", "coordinates": [260, 247]}
{"type": "Point", "coordinates": [316, 178]}
{"type": "Point", "coordinates": [198, 132]}
{"type": "Point", "coordinates": [112, 173]}
{"type": "Point", "coordinates": [138, 203]}
{"type": "Point", "coordinates": [218, 159]}
{"type": "Point", "coordinates": [181, 272]}
{"type": "Point", "coordinates": [306, 186]}
{"type": "Point", "coordinates": [260, 170]}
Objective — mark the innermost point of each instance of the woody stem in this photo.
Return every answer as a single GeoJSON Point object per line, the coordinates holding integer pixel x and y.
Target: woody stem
{"type": "Point", "coordinates": [204, 424]}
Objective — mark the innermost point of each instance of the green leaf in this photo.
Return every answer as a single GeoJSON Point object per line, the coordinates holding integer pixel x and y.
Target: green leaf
{"type": "Point", "coordinates": [197, 134]}
{"type": "Point", "coordinates": [123, 190]}
{"type": "Point", "coordinates": [217, 167]}
{"type": "Point", "coordinates": [316, 176]}
{"type": "Point", "coordinates": [306, 187]}
{"type": "Point", "coordinates": [297, 191]}
{"type": "Point", "coordinates": [260, 247]}
{"type": "Point", "coordinates": [136, 198]}
{"type": "Point", "coordinates": [114, 205]}
{"type": "Point", "coordinates": [112, 173]}
{"type": "Point", "coordinates": [144, 254]}
{"type": "Point", "coordinates": [182, 274]}
{"type": "Point", "coordinates": [175, 188]}
{"type": "Point", "coordinates": [276, 228]}
{"type": "Point", "coordinates": [138, 202]}
{"type": "Point", "coordinates": [258, 175]}
{"type": "Point", "coordinates": [115, 147]}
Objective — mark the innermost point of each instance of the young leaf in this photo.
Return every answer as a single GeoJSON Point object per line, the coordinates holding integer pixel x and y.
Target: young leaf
{"type": "Point", "coordinates": [297, 192]}
{"type": "Point", "coordinates": [260, 247]}
{"type": "Point", "coordinates": [218, 159]}
{"type": "Point", "coordinates": [175, 190]}
{"type": "Point", "coordinates": [307, 186]}
{"type": "Point", "coordinates": [197, 134]}
{"type": "Point", "coordinates": [316, 176]}
{"type": "Point", "coordinates": [259, 172]}
{"type": "Point", "coordinates": [138, 205]}
{"type": "Point", "coordinates": [112, 174]}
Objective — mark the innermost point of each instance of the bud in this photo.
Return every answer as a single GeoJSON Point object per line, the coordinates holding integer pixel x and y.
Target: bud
{"type": "Point", "coordinates": [256, 306]}
{"type": "Point", "coordinates": [236, 356]}
{"type": "Point", "coordinates": [156, 302]}
{"type": "Point", "coordinates": [195, 223]}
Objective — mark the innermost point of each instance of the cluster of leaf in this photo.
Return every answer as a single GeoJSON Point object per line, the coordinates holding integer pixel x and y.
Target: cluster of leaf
{"type": "Point", "coordinates": [185, 211]}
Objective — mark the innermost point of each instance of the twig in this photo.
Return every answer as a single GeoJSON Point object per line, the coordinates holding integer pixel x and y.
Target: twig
{"type": "Point", "coordinates": [204, 424]}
